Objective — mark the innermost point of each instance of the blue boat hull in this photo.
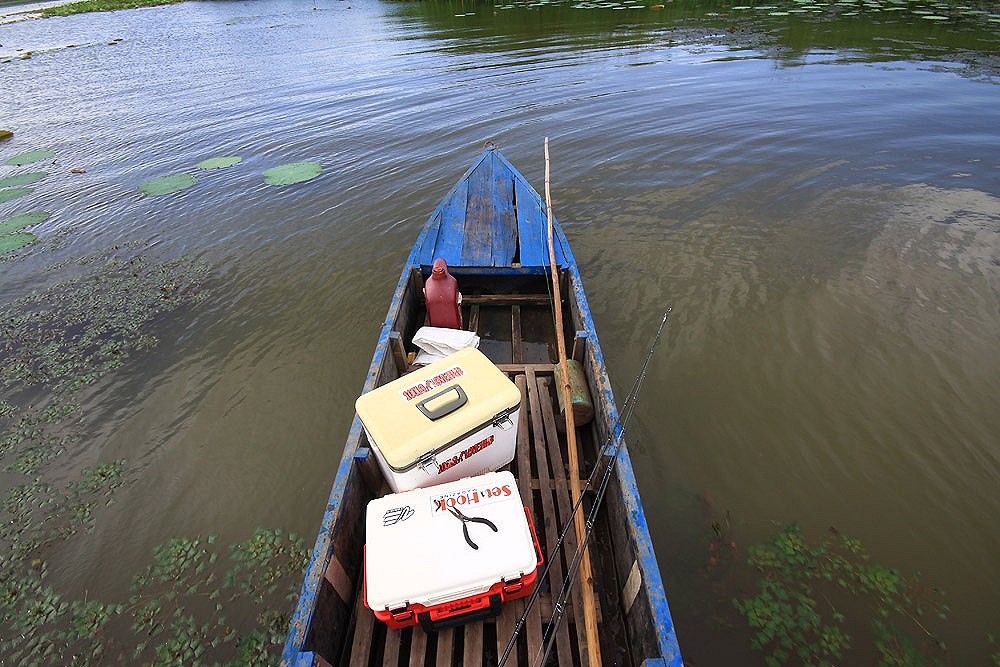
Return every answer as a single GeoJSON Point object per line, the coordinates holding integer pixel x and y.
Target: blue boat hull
{"type": "Point", "coordinates": [491, 229]}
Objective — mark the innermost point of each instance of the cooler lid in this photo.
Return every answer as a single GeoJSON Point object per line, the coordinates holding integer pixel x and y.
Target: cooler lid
{"type": "Point", "coordinates": [416, 552]}
{"type": "Point", "coordinates": [434, 405]}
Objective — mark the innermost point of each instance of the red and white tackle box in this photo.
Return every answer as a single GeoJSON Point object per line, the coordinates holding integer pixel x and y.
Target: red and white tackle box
{"type": "Point", "coordinates": [451, 554]}
{"type": "Point", "coordinates": [450, 419]}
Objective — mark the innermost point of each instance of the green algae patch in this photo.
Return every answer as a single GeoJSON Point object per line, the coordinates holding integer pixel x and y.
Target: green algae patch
{"type": "Point", "coordinates": [6, 194]}
{"type": "Point", "coordinates": [220, 162]}
{"type": "Point", "coordinates": [15, 241]}
{"type": "Point", "coordinates": [289, 174]}
{"type": "Point", "coordinates": [165, 185]}
{"type": "Point", "coordinates": [29, 157]}
{"type": "Point", "coordinates": [22, 179]}
{"type": "Point", "coordinates": [101, 6]}
{"type": "Point", "coordinates": [19, 222]}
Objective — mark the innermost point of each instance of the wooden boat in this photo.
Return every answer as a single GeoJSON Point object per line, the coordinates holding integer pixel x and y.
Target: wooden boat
{"type": "Point", "coordinates": [491, 229]}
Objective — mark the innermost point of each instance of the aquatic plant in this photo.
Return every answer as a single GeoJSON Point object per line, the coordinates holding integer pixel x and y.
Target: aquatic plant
{"type": "Point", "coordinates": [295, 172]}
{"type": "Point", "coordinates": [19, 222]}
{"type": "Point", "coordinates": [13, 242]}
{"type": "Point", "coordinates": [8, 194]}
{"type": "Point", "coordinates": [165, 185]}
{"type": "Point", "coordinates": [809, 594]}
{"type": "Point", "coordinates": [220, 162]}
{"type": "Point", "coordinates": [22, 179]}
{"type": "Point", "coordinates": [29, 157]}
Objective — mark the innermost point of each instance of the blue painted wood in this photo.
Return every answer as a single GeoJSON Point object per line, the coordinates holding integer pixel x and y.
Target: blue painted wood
{"type": "Point", "coordinates": [480, 219]}
{"type": "Point", "coordinates": [505, 232]}
{"type": "Point", "coordinates": [530, 227]}
{"type": "Point", "coordinates": [451, 236]}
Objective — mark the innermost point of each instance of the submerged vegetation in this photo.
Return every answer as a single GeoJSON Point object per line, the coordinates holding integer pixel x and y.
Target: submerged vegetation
{"type": "Point", "coordinates": [102, 6]}
{"type": "Point", "coordinates": [197, 601]}
{"type": "Point", "coordinates": [812, 597]}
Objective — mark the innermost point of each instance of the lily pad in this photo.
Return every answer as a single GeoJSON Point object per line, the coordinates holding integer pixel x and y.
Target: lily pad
{"type": "Point", "coordinates": [22, 179]}
{"type": "Point", "coordinates": [16, 241]}
{"type": "Point", "coordinates": [296, 172]}
{"type": "Point", "coordinates": [28, 158]}
{"type": "Point", "coordinates": [165, 185]}
{"type": "Point", "coordinates": [7, 194]}
{"type": "Point", "coordinates": [220, 162]}
{"type": "Point", "coordinates": [19, 222]}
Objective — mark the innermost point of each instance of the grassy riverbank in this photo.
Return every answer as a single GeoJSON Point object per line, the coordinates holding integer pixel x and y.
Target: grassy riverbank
{"type": "Point", "coordinates": [101, 6]}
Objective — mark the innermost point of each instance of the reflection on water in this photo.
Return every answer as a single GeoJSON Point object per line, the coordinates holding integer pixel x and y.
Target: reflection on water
{"type": "Point", "coordinates": [827, 233]}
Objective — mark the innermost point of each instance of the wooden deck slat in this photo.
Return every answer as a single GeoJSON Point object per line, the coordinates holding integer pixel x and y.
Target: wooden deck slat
{"type": "Point", "coordinates": [548, 509]}
{"type": "Point", "coordinates": [472, 652]}
{"type": "Point", "coordinates": [517, 349]}
{"type": "Point", "coordinates": [565, 503]}
{"type": "Point", "coordinates": [449, 241]}
{"type": "Point", "coordinates": [418, 647]}
{"type": "Point", "coordinates": [363, 627]}
{"type": "Point", "coordinates": [533, 629]}
{"type": "Point", "coordinates": [391, 655]}
{"type": "Point", "coordinates": [445, 647]}
{"type": "Point", "coordinates": [505, 233]}
{"type": "Point", "coordinates": [477, 235]}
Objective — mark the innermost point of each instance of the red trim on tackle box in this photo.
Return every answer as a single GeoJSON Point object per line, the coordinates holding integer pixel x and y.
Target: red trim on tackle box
{"type": "Point", "coordinates": [463, 610]}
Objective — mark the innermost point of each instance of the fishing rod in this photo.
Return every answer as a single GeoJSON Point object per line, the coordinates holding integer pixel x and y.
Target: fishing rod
{"type": "Point", "coordinates": [613, 443]}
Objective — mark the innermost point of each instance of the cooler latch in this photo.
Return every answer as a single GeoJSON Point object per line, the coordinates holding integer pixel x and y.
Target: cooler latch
{"type": "Point", "coordinates": [512, 585]}
{"type": "Point", "coordinates": [503, 421]}
{"type": "Point", "coordinates": [429, 463]}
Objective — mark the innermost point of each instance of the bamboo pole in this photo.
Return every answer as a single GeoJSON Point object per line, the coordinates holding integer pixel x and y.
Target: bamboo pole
{"type": "Point", "coordinates": [586, 575]}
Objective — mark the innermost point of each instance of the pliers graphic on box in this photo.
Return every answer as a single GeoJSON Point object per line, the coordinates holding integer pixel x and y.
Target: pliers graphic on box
{"type": "Point", "coordinates": [466, 520]}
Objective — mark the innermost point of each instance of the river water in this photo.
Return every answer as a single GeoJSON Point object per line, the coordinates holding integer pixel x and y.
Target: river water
{"type": "Point", "coordinates": [814, 190]}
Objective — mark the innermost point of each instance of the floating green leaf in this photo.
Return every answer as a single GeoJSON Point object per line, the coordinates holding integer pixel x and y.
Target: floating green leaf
{"type": "Point", "coordinates": [220, 162]}
{"type": "Point", "coordinates": [13, 193]}
{"type": "Point", "coordinates": [19, 222]}
{"type": "Point", "coordinates": [165, 185]}
{"type": "Point", "coordinates": [296, 172]}
{"type": "Point", "coordinates": [22, 179]}
{"type": "Point", "coordinates": [29, 157]}
{"type": "Point", "coordinates": [15, 241]}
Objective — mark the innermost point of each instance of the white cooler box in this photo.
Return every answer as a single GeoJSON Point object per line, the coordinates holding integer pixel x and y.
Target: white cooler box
{"type": "Point", "coordinates": [453, 418]}
{"type": "Point", "coordinates": [424, 564]}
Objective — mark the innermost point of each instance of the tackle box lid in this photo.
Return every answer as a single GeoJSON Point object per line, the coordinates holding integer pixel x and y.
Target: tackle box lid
{"type": "Point", "coordinates": [435, 405]}
{"type": "Point", "coordinates": [416, 551]}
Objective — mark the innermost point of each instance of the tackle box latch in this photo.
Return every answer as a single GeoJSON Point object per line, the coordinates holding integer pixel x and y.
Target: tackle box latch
{"type": "Point", "coordinates": [512, 585]}
{"type": "Point", "coordinates": [401, 614]}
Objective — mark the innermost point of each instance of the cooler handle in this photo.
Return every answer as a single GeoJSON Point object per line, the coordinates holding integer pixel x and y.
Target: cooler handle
{"type": "Point", "coordinates": [433, 625]}
{"type": "Point", "coordinates": [446, 409]}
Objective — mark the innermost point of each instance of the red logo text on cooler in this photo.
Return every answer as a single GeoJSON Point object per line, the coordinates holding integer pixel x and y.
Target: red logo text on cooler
{"type": "Point", "coordinates": [465, 454]}
{"type": "Point", "coordinates": [432, 383]}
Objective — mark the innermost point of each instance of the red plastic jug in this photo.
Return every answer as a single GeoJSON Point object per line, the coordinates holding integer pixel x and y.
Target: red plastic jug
{"type": "Point", "coordinates": [443, 298]}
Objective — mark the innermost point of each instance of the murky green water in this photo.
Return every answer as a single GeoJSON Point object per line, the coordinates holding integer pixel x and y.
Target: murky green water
{"type": "Point", "coordinates": [814, 189]}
